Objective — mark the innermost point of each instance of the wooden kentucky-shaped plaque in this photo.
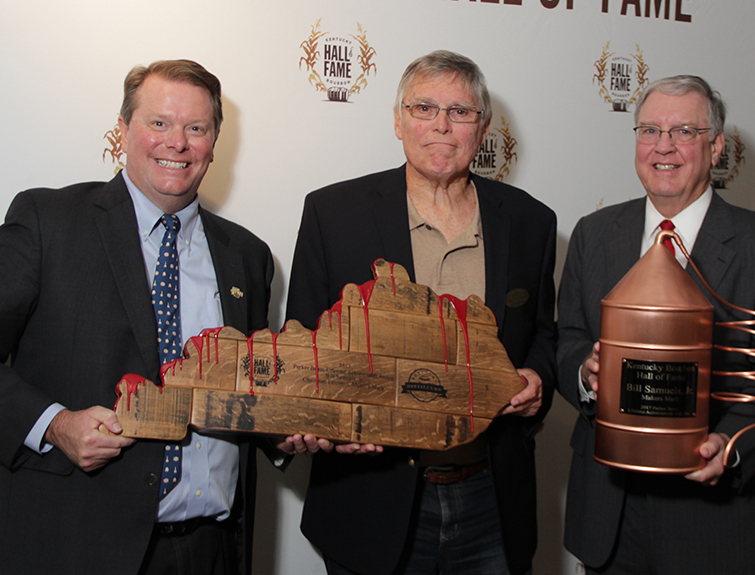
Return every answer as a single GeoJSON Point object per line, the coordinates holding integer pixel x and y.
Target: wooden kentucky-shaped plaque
{"type": "Point", "coordinates": [392, 363]}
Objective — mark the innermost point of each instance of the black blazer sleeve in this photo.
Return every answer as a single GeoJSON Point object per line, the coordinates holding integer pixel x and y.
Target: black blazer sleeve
{"type": "Point", "coordinates": [21, 404]}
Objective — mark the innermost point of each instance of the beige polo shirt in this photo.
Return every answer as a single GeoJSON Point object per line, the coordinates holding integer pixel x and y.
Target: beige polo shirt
{"type": "Point", "coordinates": [458, 269]}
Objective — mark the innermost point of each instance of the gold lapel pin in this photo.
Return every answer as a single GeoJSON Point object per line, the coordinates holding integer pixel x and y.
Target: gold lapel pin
{"type": "Point", "coordinates": [236, 292]}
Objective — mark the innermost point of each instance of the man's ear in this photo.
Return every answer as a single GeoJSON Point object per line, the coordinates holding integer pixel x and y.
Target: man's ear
{"type": "Point", "coordinates": [717, 148]}
{"type": "Point", "coordinates": [124, 132]}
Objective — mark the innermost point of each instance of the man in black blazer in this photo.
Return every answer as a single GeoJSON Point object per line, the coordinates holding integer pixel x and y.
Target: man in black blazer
{"type": "Point", "coordinates": [364, 512]}
{"type": "Point", "coordinates": [630, 522]}
{"type": "Point", "coordinates": [76, 315]}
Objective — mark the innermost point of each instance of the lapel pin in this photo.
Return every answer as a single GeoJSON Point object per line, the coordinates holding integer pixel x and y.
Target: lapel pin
{"type": "Point", "coordinates": [236, 292]}
{"type": "Point", "coordinates": [517, 298]}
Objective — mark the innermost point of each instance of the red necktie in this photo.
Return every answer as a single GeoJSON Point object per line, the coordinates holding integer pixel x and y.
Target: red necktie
{"type": "Point", "coordinates": [668, 225]}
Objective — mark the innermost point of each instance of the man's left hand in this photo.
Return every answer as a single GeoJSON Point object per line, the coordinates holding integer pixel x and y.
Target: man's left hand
{"type": "Point", "coordinates": [308, 443]}
{"type": "Point", "coordinates": [527, 402]}
{"type": "Point", "coordinates": [298, 443]}
{"type": "Point", "coordinates": [713, 453]}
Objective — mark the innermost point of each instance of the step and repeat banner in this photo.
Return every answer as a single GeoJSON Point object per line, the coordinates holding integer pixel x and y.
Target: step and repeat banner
{"type": "Point", "coordinates": [309, 87]}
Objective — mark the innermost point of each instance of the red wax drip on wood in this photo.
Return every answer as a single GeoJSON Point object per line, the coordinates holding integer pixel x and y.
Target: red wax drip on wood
{"type": "Point", "coordinates": [198, 341]}
{"type": "Point", "coordinates": [336, 309]}
{"type": "Point", "coordinates": [215, 332]}
{"type": "Point", "coordinates": [393, 279]}
{"type": "Point", "coordinates": [443, 331]}
{"type": "Point", "coordinates": [317, 366]}
{"type": "Point", "coordinates": [461, 312]}
{"type": "Point", "coordinates": [170, 365]}
{"type": "Point", "coordinates": [132, 386]}
{"type": "Point", "coordinates": [366, 292]}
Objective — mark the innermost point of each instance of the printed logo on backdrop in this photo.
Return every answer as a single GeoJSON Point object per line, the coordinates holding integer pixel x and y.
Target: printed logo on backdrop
{"type": "Point", "coordinates": [338, 63]}
{"type": "Point", "coordinates": [620, 78]}
{"type": "Point", "coordinates": [729, 164]}
{"type": "Point", "coordinates": [114, 138]}
{"type": "Point", "coordinates": [497, 152]}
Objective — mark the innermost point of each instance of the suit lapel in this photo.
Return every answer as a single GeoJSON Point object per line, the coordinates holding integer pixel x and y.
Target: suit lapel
{"type": "Point", "coordinates": [229, 272]}
{"type": "Point", "coordinates": [389, 200]}
{"type": "Point", "coordinates": [115, 219]}
{"type": "Point", "coordinates": [711, 254]}
{"type": "Point", "coordinates": [624, 241]}
{"type": "Point", "coordinates": [496, 235]}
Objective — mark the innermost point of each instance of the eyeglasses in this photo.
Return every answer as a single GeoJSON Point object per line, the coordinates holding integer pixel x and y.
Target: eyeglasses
{"type": "Point", "coordinates": [459, 114]}
{"type": "Point", "coordinates": [680, 135]}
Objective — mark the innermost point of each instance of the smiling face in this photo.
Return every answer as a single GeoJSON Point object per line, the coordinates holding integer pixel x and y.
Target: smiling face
{"type": "Point", "coordinates": [169, 141]}
{"type": "Point", "coordinates": [675, 175]}
{"type": "Point", "coordinates": [439, 150]}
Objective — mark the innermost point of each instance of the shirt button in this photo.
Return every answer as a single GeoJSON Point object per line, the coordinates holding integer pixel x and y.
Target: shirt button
{"type": "Point", "coordinates": [199, 493]}
{"type": "Point", "coordinates": [428, 226]}
{"type": "Point", "coordinates": [199, 445]}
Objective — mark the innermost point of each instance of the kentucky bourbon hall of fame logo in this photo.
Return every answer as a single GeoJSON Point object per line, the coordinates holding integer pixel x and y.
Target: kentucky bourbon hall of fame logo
{"type": "Point", "coordinates": [338, 64]}
{"type": "Point", "coordinates": [620, 78]}
{"type": "Point", "coordinates": [730, 162]}
{"type": "Point", "coordinates": [265, 371]}
{"type": "Point", "coordinates": [497, 152]}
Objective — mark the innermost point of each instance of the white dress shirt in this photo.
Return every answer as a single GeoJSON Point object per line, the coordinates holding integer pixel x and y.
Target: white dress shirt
{"type": "Point", "coordinates": [687, 225]}
{"type": "Point", "coordinates": [210, 465]}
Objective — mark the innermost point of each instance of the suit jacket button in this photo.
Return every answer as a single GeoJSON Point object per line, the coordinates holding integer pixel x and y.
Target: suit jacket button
{"type": "Point", "coordinates": [152, 479]}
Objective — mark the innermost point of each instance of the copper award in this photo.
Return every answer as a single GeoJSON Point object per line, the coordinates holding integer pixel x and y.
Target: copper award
{"type": "Point", "coordinates": [655, 360]}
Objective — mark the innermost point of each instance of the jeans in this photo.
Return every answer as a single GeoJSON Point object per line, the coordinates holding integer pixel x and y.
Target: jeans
{"type": "Point", "coordinates": [455, 531]}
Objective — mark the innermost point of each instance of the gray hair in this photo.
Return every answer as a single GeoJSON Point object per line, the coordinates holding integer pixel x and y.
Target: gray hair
{"type": "Point", "coordinates": [443, 62]}
{"type": "Point", "coordinates": [682, 85]}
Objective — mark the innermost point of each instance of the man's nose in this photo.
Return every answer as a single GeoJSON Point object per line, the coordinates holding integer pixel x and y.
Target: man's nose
{"type": "Point", "coordinates": [442, 122]}
{"type": "Point", "coordinates": [665, 142]}
{"type": "Point", "coordinates": [177, 139]}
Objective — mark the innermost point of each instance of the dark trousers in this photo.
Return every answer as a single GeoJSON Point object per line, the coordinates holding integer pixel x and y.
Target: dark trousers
{"type": "Point", "coordinates": [210, 549]}
{"type": "Point", "coordinates": [717, 537]}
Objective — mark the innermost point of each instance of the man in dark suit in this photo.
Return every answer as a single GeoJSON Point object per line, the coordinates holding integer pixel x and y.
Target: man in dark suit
{"type": "Point", "coordinates": [630, 522]}
{"type": "Point", "coordinates": [459, 234]}
{"type": "Point", "coordinates": [76, 315]}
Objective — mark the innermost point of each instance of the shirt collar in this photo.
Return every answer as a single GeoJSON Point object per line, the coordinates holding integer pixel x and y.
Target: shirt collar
{"type": "Point", "coordinates": [687, 223]}
{"type": "Point", "coordinates": [148, 213]}
{"type": "Point", "coordinates": [416, 220]}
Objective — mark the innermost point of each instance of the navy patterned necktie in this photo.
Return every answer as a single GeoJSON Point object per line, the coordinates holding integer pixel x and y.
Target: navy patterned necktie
{"type": "Point", "coordinates": [168, 315]}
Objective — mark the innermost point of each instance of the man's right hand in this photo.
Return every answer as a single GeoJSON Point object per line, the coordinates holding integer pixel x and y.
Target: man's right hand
{"type": "Point", "coordinates": [78, 434]}
{"type": "Point", "coordinates": [590, 369]}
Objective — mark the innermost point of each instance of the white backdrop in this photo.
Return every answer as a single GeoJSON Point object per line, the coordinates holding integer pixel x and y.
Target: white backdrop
{"type": "Point", "coordinates": [62, 65]}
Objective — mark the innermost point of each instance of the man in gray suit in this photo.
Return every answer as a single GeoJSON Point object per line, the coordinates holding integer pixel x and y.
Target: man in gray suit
{"type": "Point", "coordinates": [623, 522]}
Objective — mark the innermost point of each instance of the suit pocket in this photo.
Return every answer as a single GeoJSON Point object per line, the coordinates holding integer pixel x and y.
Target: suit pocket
{"type": "Point", "coordinates": [53, 461]}
{"type": "Point", "coordinates": [582, 438]}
